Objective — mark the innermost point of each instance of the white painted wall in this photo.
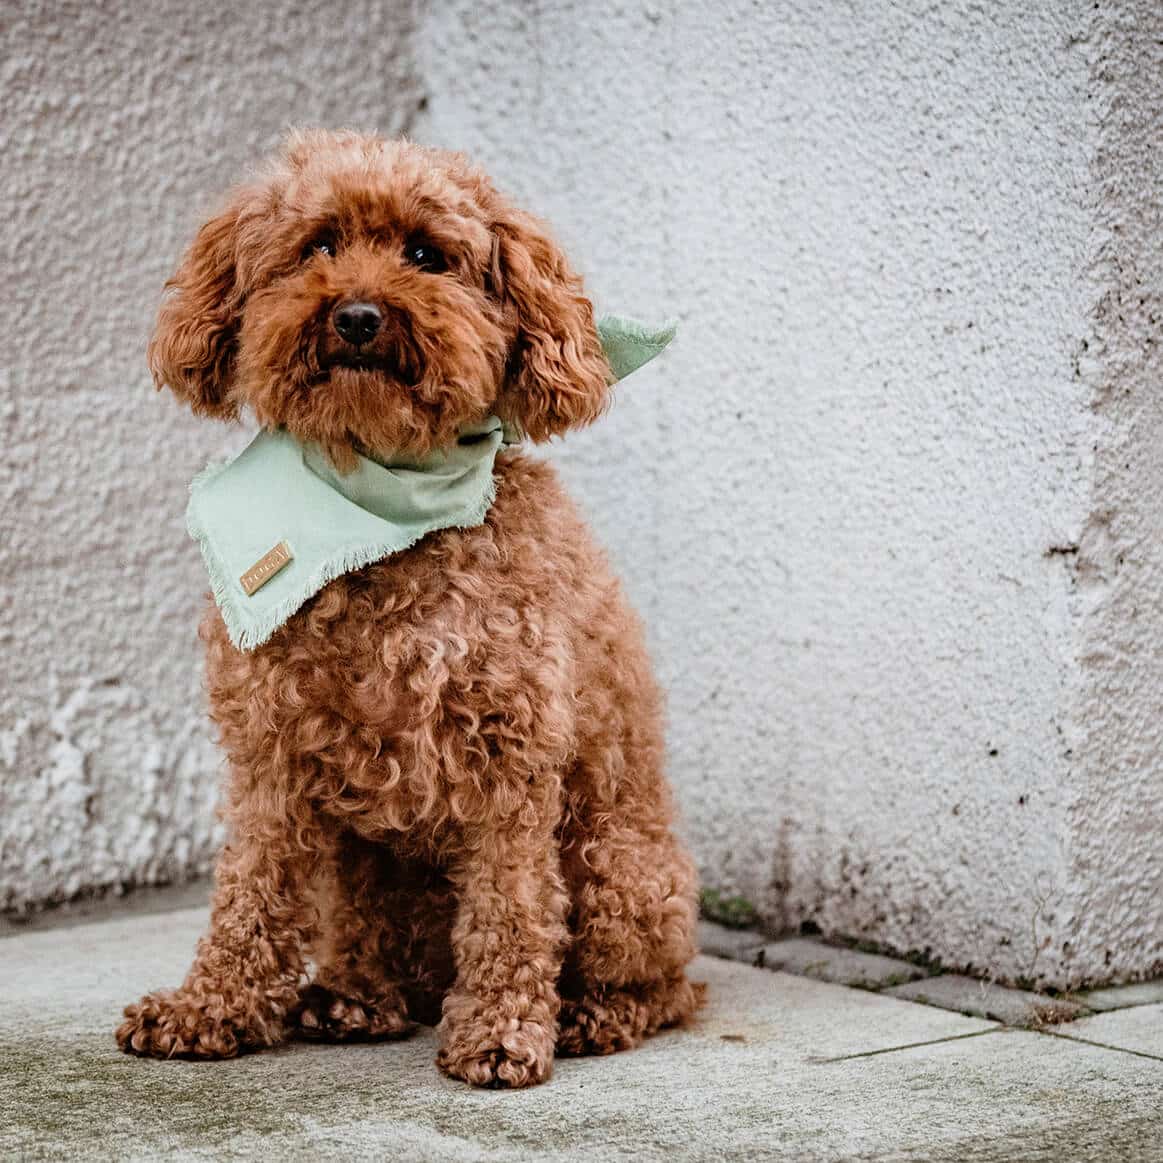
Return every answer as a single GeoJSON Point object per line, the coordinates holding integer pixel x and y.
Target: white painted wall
{"type": "Point", "coordinates": [915, 253]}
{"type": "Point", "coordinates": [1112, 908]}
{"type": "Point", "coordinates": [121, 122]}
{"type": "Point", "coordinates": [902, 387]}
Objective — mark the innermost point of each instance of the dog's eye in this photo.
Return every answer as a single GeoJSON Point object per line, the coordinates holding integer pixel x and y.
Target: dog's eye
{"type": "Point", "coordinates": [425, 256]}
{"type": "Point", "coordinates": [324, 245]}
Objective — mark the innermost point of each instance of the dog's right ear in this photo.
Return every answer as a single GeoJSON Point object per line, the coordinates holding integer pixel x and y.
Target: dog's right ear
{"type": "Point", "coordinates": [193, 345]}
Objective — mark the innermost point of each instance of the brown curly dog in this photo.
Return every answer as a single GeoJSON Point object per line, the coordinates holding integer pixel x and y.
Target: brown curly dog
{"type": "Point", "coordinates": [447, 785]}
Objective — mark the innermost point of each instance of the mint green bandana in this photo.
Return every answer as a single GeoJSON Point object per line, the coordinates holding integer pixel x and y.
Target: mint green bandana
{"type": "Point", "coordinates": [279, 522]}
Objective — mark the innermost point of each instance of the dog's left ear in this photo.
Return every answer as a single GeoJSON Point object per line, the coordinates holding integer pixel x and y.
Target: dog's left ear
{"type": "Point", "coordinates": [558, 377]}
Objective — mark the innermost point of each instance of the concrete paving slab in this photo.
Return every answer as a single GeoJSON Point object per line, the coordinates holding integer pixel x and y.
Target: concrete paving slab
{"type": "Point", "coordinates": [1137, 1028]}
{"type": "Point", "coordinates": [734, 944]}
{"type": "Point", "coordinates": [778, 1067]}
{"type": "Point", "coordinates": [64, 981]}
{"type": "Point", "coordinates": [810, 958]}
{"type": "Point", "coordinates": [1117, 997]}
{"type": "Point", "coordinates": [1008, 1095]}
{"type": "Point", "coordinates": [967, 995]}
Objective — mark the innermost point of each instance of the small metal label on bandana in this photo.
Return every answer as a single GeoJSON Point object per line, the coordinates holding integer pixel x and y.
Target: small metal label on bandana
{"type": "Point", "coordinates": [266, 567]}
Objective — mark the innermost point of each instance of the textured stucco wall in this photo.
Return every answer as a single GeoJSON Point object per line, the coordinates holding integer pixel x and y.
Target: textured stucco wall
{"type": "Point", "coordinates": [1113, 903]}
{"type": "Point", "coordinates": [120, 123]}
{"type": "Point", "coordinates": [904, 704]}
{"type": "Point", "coordinates": [891, 506]}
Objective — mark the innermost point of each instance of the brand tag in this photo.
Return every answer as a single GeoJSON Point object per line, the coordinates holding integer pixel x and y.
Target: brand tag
{"type": "Point", "coordinates": [266, 567]}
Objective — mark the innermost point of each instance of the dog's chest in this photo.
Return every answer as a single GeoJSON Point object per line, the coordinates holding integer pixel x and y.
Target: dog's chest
{"type": "Point", "coordinates": [406, 694]}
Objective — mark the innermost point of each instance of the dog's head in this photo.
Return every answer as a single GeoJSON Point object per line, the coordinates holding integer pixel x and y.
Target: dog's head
{"type": "Point", "coordinates": [375, 296]}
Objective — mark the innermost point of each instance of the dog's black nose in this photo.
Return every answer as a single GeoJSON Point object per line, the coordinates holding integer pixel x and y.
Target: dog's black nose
{"type": "Point", "coordinates": [357, 322]}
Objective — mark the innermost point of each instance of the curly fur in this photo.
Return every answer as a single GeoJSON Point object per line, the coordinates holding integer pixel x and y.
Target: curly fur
{"type": "Point", "coordinates": [447, 787]}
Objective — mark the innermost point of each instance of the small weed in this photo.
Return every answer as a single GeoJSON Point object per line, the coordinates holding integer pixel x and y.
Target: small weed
{"type": "Point", "coordinates": [895, 979]}
{"type": "Point", "coordinates": [733, 911]}
{"type": "Point", "coordinates": [1052, 1014]}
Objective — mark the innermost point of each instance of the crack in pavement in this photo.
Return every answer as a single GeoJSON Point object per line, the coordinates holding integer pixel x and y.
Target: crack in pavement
{"type": "Point", "coordinates": [908, 1046]}
{"type": "Point", "coordinates": [1100, 1045]}
{"type": "Point", "coordinates": [981, 1033]}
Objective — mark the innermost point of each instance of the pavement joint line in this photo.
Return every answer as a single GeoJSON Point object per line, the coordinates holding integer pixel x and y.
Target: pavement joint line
{"type": "Point", "coordinates": [1070, 999]}
{"type": "Point", "coordinates": [1100, 1045]}
{"type": "Point", "coordinates": [998, 1028]}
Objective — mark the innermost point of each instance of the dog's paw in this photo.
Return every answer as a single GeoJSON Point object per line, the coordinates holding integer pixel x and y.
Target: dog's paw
{"type": "Point", "coordinates": [174, 1025]}
{"type": "Point", "coordinates": [323, 1015]}
{"type": "Point", "coordinates": [507, 1052]}
{"type": "Point", "coordinates": [612, 1018]}
{"type": "Point", "coordinates": [591, 1026]}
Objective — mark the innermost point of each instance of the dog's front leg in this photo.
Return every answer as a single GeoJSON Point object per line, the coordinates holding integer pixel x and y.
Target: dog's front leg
{"type": "Point", "coordinates": [500, 1019]}
{"type": "Point", "coordinates": [246, 973]}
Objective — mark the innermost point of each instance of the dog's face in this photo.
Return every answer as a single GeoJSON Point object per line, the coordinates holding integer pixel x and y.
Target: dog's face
{"type": "Point", "coordinates": [375, 296]}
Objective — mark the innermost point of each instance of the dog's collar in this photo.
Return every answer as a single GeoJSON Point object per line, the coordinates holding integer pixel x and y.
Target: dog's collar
{"type": "Point", "coordinates": [278, 523]}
